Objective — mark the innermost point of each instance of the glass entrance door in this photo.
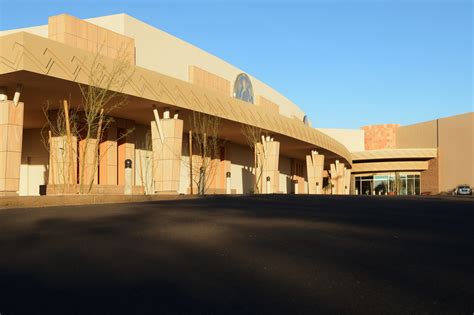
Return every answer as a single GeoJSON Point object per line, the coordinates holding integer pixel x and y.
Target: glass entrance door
{"type": "Point", "coordinates": [403, 184]}
{"type": "Point", "coordinates": [366, 187]}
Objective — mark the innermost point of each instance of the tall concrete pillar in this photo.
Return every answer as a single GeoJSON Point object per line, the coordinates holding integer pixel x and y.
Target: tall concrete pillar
{"type": "Point", "coordinates": [297, 177]}
{"type": "Point", "coordinates": [108, 158]}
{"type": "Point", "coordinates": [167, 141]}
{"type": "Point", "coordinates": [347, 181]}
{"type": "Point", "coordinates": [337, 178]}
{"type": "Point", "coordinates": [315, 167]}
{"type": "Point", "coordinates": [62, 165]}
{"type": "Point", "coordinates": [88, 162]}
{"type": "Point", "coordinates": [270, 156]}
{"type": "Point", "coordinates": [11, 137]}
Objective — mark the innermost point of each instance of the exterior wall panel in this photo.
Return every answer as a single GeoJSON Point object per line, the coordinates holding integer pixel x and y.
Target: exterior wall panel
{"type": "Point", "coordinates": [456, 157]}
{"type": "Point", "coordinates": [422, 135]}
{"type": "Point", "coordinates": [209, 80]}
{"type": "Point", "coordinates": [267, 104]}
{"type": "Point", "coordinates": [34, 163]}
{"type": "Point", "coordinates": [84, 35]}
{"type": "Point", "coordinates": [353, 139]}
{"type": "Point", "coordinates": [285, 175]}
{"type": "Point", "coordinates": [242, 169]}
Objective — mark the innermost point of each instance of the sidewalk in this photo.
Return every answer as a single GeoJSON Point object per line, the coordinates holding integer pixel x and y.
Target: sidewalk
{"type": "Point", "coordinates": [10, 202]}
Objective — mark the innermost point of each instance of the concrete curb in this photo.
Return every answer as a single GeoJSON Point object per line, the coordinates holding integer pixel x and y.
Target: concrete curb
{"type": "Point", "coordinates": [11, 202]}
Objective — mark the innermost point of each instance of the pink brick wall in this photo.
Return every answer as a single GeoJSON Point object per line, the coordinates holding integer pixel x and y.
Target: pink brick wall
{"type": "Point", "coordinates": [378, 137]}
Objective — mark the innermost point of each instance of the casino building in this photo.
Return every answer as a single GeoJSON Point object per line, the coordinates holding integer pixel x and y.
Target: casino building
{"type": "Point", "coordinates": [425, 158]}
{"type": "Point", "coordinates": [150, 143]}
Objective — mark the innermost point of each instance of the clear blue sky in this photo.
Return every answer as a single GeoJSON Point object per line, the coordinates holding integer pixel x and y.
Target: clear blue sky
{"type": "Point", "coordinates": [345, 63]}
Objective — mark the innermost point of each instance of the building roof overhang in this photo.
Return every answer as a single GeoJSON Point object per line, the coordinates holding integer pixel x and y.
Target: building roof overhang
{"type": "Point", "coordinates": [22, 51]}
{"type": "Point", "coordinates": [395, 154]}
{"type": "Point", "coordinates": [396, 166]}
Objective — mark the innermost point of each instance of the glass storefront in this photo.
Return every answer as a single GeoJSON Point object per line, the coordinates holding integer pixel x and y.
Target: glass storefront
{"type": "Point", "coordinates": [388, 184]}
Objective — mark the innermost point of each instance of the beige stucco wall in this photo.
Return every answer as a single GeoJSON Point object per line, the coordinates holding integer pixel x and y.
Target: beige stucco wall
{"type": "Point", "coordinates": [284, 166]}
{"type": "Point", "coordinates": [241, 168]}
{"type": "Point", "coordinates": [456, 156]}
{"type": "Point", "coordinates": [454, 138]}
{"type": "Point", "coordinates": [422, 135]}
{"type": "Point", "coordinates": [34, 163]}
{"type": "Point", "coordinates": [353, 139]}
{"type": "Point", "coordinates": [75, 32]}
{"type": "Point", "coordinates": [41, 30]}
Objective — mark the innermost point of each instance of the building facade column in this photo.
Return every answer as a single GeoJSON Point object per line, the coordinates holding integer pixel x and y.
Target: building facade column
{"type": "Point", "coordinates": [347, 181]}
{"type": "Point", "coordinates": [314, 168]}
{"type": "Point", "coordinates": [297, 177]}
{"type": "Point", "coordinates": [62, 165]}
{"type": "Point", "coordinates": [11, 137]}
{"type": "Point", "coordinates": [337, 178]}
{"type": "Point", "coordinates": [270, 152]}
{"type": "Point", "coordinates": [88, 162]}
{"type": "Point", "coordinates": [108, 157]}
{"type": "Point", "coordinates": [167, 141]}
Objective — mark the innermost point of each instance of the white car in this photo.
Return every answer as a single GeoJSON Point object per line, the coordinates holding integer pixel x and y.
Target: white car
{"type": "Point", "coordinates": [462, 190]}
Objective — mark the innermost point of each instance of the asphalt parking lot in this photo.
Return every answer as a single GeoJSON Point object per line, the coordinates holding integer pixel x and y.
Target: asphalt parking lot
{"type": "Point", "coordinates": [242, 254]}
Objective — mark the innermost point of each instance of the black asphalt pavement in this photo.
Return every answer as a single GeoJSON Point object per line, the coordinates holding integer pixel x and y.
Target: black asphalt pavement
{"type": "Point", "coordinates": [241, 255]}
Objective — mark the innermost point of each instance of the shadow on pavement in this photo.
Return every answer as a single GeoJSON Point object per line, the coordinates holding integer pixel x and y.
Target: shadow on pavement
{"type": "Point", "coordinates": [241, 254]}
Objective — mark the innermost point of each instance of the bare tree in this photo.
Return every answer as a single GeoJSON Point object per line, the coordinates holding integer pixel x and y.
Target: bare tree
{"type": "Point", "coordinates": [206, 144]}
{"type": "Point", "coordinates": [100, 96]}
{"type": "Point", "coordinates": [253, 135]}
{"type": "Point", "coordinates": [88, 121]}
{"type": "Point", "coordinates": [62, 130]}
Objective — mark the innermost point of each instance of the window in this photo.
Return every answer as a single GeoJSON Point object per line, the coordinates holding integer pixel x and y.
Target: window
{"type": "Point", "coordinates": [243, 88]}
{"type": "Point", "coordinates": [408, 184]}
{"type": "Point", "coordinates": [306, 121]}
